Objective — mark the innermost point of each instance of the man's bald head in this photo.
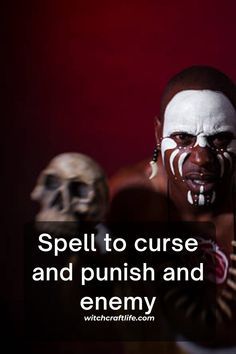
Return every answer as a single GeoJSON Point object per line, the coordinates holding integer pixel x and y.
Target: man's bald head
{"type": "Point", "coordinates": [198, 78]}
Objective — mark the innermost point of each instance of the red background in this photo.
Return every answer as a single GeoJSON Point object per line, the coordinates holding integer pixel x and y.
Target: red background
{"type": "Point", "coordinates": [87, 76]}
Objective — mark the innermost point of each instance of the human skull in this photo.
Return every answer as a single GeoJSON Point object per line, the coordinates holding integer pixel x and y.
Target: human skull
{"type": "Point", "coordinates": [73, 187]}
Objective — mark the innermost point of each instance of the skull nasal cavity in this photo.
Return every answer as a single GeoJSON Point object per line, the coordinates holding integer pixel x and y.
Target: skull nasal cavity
{"type": "Point", "coordinates": [57, 201]}
{"type": "Point", "coordinates": [79, 189]}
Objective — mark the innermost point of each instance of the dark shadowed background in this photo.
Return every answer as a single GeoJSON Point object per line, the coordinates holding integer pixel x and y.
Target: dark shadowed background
{"type": "Point", "coordinates": [87, 76]}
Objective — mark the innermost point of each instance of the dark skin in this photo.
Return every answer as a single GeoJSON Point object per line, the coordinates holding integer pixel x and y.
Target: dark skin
{"type": "Point", "coordinates": [131, 187]}
{"type": "Point", "coordinates": [202, 163]}
{"type": "Point", "coordinates": [136, 198]}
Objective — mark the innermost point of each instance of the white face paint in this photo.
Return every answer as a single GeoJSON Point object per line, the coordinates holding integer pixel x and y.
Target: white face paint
{"type": "Point", "coordinates": [181, 161]}
{"type": "Point", "coordinates": [198, 112]}
{"type": "Point", "coordinates": [201, 141]}
{"type": "Point", "coordinates": [222, 165]}
{"type": "Point", "coordinates": [167, 144]}
{"type": "Point", "coordinates": [229, 158]}
{"type": "Point", "coordinates": [201, 113]}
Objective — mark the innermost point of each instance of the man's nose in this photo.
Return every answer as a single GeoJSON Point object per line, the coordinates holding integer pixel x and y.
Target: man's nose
{"type": "Point", "coordinates": [201, 156]}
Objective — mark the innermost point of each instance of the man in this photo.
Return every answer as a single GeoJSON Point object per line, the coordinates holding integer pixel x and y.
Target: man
{"type": "Point", "coordinates": [196, 147]}
{"type": "Point", "coordinates": [192, 172]}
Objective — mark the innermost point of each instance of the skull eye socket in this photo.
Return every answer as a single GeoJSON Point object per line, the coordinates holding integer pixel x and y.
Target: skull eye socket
{"type": "Point", "coordinates": [51, 182]}
{"type": "Point", "coordinates": [79, 189]}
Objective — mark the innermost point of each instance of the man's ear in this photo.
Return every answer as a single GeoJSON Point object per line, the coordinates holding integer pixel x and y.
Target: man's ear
{"type": "Point", "coordinates": [158, 130]}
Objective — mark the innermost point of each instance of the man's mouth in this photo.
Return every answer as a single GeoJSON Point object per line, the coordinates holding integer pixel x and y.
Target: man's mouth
{"type": "Point", "coordinates": [201, 182]}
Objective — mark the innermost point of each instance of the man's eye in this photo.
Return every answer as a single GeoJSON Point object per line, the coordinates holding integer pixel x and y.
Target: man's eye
{"type": "Point", "coordinates": [220, 140]}
{"type": "Point", "coordinates": [183, 138]}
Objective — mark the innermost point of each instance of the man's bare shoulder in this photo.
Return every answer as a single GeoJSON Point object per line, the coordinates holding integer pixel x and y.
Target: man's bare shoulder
{"type": "Point", "coordinates": [135, 197]}
{"type": "Point", "coordinates": [136, 175]}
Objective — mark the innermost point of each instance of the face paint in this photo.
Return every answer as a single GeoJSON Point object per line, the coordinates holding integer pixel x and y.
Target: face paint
{"type": "Point", "coordinates": [201, 160]}
{"type": "Point", "coordinates": [189, 197]}
{"type": "Point", "coordinates": [181, 161]}
{"type": "Point", "coordinates": [172, 157]}
{"type": "Point", "coordinates": [167, 144]}
{"type": "Point", "coordinates": [199, 112]}
{"type": "Point", "coordinates": [228, 157]}
{"type": "Point", "coordinates": [201, 141]}
{"type": "Point", "coordinates": [222, 165]}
